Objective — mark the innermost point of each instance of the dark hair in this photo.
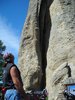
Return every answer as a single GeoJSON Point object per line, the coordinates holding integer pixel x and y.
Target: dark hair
{"type": "Point", "coordinates": [9, 57]}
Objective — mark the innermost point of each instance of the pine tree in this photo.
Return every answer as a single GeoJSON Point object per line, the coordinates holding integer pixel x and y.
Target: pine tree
{"type": "Point", "coordinates": [2, 48]}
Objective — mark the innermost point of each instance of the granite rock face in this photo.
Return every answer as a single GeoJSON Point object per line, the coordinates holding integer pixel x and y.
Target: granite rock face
{"type": "Point", "coordinates": [47, 47]}
{"type": "Point", "coordinates": [61, 50]}
{"type": "Point", "coordinates": [29, 53]}
{"type": "Point", "coordinates": [34, 44]}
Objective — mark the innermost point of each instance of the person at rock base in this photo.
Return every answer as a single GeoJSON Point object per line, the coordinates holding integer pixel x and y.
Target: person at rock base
{"type": "Point", "coordinates": [12, 79]}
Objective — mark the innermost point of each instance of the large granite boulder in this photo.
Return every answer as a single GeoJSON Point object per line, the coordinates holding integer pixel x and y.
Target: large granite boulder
{"type": "Point", "coordinates": [29, 52]}
{"type": "Point", "coordinates": [61, 50]}
{"type": "Point", "coordinates": [34, 45]}
{"type": "Point", "coordinates": [46, 54]}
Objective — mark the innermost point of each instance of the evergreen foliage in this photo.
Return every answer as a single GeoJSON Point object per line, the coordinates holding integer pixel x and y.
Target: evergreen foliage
{"type": "Point", "coordinates": [2, 48]}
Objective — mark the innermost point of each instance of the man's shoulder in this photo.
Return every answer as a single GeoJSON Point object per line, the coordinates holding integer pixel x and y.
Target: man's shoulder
{"type": "Point", "coordinates": [10, 65]}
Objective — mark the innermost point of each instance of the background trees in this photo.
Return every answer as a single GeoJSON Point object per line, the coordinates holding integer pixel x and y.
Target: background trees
{"type": "Point", "coordinates": [2, 49]}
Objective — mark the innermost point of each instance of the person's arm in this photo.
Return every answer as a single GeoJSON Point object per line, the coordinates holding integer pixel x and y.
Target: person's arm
{"type": "Point", "coordinates": [15, 78]}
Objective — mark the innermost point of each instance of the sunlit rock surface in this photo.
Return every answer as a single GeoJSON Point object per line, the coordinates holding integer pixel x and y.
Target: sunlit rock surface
{"type": "Point", "coordinates": [47, 46]}
{"type": "Point", "coordinates": [61, 50]}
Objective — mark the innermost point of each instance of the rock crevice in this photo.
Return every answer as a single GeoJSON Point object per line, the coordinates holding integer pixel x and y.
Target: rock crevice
{"type": "Point", "coordinates": [47, 45]}
{"type": "Point", "coordinates": [44, 27]}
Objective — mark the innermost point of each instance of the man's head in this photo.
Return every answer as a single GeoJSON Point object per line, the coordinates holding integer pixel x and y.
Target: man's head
{"type": "Point", "coordinates": [9, 57]}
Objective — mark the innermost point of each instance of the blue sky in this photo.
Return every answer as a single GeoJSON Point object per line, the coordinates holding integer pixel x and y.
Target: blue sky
{"type": "Point", "coordinates": [12, 18]}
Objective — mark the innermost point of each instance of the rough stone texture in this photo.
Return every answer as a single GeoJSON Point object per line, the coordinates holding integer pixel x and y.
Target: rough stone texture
{"type": "Point", "coordinates": [61, 51]}
{"type": "Point", "coordinates": [29, 53]}
{"type": "Point", "coordinates": [34, 44]}
{"type": "Point", "coordinates": [47, 47]}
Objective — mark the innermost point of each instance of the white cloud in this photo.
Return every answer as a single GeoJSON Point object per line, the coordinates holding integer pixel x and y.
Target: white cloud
{"type": "Point", "coordinates": [8, 35]}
